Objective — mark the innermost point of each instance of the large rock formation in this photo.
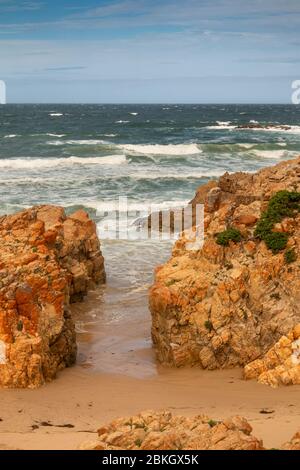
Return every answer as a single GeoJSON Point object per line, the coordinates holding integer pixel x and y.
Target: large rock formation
{"type": "Point", "coordinates": [162, 431]}
{"type": "Point", "coordinates": [226, 305]}
{"type": "Point", "coordinates": [47, 260]}
{"type": "Point", "coordinates": [281, 364]}
{"type": "Point", "coordinates": [293, 444]}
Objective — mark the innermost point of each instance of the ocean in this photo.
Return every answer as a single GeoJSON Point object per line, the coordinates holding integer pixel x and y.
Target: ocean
{"type": "Point", "coordinates": [86, 156]}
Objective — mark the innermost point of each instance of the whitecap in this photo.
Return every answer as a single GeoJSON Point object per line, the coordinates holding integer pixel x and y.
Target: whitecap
{"type": "Point", "coordinates": [78, 142]}
{"type": "Point", "coordinates": [131, 205]}
{"type": "Point", "coordinates": [223, 123]}
{"type": "Point", "coordinates": [276, 154]}
{"type": "Point", "coordinates": [220, 127]}
{"type": "Point", "coordinates": [32, 163]}
{"type": "Point", "coordinates": [56, 114]}
{"type": "Point", "coordinates": [178, 176]}
{"type": "Point", "coordinates": [54, 135]}
{"type": "Point", "coordinates": [167, 149]}
{"type": "Point", "coordinates": [246, 146]}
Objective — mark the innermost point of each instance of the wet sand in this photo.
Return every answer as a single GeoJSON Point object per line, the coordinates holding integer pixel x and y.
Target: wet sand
{"type": "Point", "coordinates": [117, 375]}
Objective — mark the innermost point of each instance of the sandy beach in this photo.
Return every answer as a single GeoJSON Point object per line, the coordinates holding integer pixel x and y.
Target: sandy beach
{"type": "Point", "coordinates": [68, 411]}
{"type": "Point", "coordinates": [117, 375]}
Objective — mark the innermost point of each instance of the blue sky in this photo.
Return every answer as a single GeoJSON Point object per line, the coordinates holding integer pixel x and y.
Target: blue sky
{"type": "Point", "coordinates": [149, 50]}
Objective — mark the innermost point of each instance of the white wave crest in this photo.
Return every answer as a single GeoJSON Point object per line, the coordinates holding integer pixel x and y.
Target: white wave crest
{"type": "Point", "coordinates": [78, 142]}
{"type": "Point", "coordinates": [55, 114]}
{"type": "Point", "coordinates": [10, 136]}
{"type": "Point", "coordinates": [223, 123]}
{"type": "Point", "coordinates": [221, 126]}
{"type": "Point", "coordinates": [32, 163]}
{"type": "Point", "coordinates": [273, 153]}
{"type": "Point", "coordinates": [55, 135]}
{"type": "Point", "coordinates": [246, 146]}
{"type": "Point", "coordinates": [131, 205]}
{"type": "Point", "coordinates": [179, 176]}
{"type": "Point", "coordinates": [156, 149]}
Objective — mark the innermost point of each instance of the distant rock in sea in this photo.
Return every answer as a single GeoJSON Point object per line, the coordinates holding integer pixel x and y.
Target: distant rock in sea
{"type": "Point", "coordinates": [229, 302]}
{"type": "Point", "coordinates": [47, 261]}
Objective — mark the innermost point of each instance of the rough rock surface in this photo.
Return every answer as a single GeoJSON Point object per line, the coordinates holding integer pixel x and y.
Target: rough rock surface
{"type": "Point", "coordinates": [293, 444]}
{"type": "Point", "coordinates": [224, 306]}
{"type": "Point", "coordinates": [151, 430]}
{"type": "Point", "coordinates": [47, 260]}
{"type": "Point", "coordinates": [281, 364]}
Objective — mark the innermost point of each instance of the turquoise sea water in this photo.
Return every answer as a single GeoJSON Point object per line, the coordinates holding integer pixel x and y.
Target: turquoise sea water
{"type": "Point", "coordinates": [88, 154]}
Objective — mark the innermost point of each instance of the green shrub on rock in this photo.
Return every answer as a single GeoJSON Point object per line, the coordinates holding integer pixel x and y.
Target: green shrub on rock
{"type": "Point", "coordinates": [290, 256]}
{"type": "Point", "coordinates": [276, 241]}
{"type": "Point", "coordinates": [231, 234]}
{"type": "Point", "coordinates": [282, 204]}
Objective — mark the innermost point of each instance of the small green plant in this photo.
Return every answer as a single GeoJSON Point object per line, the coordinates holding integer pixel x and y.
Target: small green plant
{"type": "Point", "coordinates": [138, 442]}
{"type": "Point", "coordinates": [275, 296]}
{"type": "Point", "coordinates": [208, 325]}
{"type": "Point", "coordinates": [20, 325]}
{"type": "Point", "coordinates": [290, 256]}
{"type": "Point", "coordinates": [212, 423]}
{"type": "Point", "coordinates": [231, 234]}
{"type": "Point", "coordinates": [34, 249]}
{"type": "Point", "coordinates": [276, 241]}
{"type": "Point", "coordinates": [282, 204]}
{"type": "Point", "coordinates": [170, 282]}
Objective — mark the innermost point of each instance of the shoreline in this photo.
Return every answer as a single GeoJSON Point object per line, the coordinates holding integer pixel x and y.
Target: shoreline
{"type": "Point", "coordinates": [86, 401]}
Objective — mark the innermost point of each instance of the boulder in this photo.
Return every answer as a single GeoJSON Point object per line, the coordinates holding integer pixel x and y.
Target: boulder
{"type": "Point", "coordinates": [281, 364]}
{"type": "Point", "coordinates": [47, 261]}
{"type": "Point", "coordinates": [293, 444]}
{"type": "Point", "coordinates": [152, 430]}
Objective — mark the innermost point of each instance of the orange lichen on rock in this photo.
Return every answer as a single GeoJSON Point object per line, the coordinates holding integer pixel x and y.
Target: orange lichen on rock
{"type": "Point", "coordinates": [281, 364]}
{"type": "Point", "coordinates": [225, 306]}
{"type": "Point", "coordinates": [151, 430]}
{"type": "Point", "coordinates": [47, 260]}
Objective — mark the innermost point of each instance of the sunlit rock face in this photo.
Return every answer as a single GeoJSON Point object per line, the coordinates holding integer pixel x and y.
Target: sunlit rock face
{"type": "Point", "coordinates": [226, 305]}
{"type": "Point", "coordinates": [47, 261]}
{"type": "Point", "coordinates": [162, 430]}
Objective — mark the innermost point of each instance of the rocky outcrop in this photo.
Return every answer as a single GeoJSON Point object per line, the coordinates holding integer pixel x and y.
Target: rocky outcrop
{"type": "Point", "coordinates": [47, 260]}
{"type": "Point", "coordinates": [226, 304]}
{"type": "Point", "coordinates": [293, 444]}
{"type": "Point", "coordinates": [151, 430]}
{"type": "Point", "coordinates": [281, 364]}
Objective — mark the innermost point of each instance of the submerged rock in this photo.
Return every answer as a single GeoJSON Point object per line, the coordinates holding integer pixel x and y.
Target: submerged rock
{"type": "Point", "coordinates": [47, 260]}
{"type": "Point", "coordinates": [151, 430]}
{"type": "Point", "coordinates": [227, 304]}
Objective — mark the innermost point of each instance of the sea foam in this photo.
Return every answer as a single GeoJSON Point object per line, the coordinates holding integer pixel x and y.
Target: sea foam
{"type": "Point", "coordinates": [32, 163]}
{"type": "Point", "coordinates": [156, 149]}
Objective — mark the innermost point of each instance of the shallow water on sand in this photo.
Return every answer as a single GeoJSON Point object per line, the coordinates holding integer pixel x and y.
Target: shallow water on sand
{"type": "Point", "coordinates": [113, 324]}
